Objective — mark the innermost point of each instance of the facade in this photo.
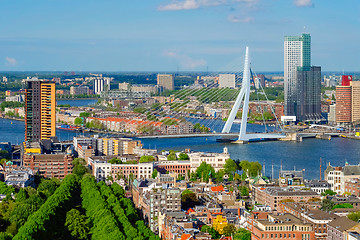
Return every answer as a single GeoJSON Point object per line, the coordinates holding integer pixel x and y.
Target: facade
{"type": "Point", "coordinates": [216, 160]}
{"type": "Point", "coordinates": [345, 80]}
{"type": "Point", "coordinates": [337, 229]}
{"type": "Point", "coordinates": [40, 115]}
{"type": "Point", "coordinates": [343, 104]}
{"type": "Point", "coordinates": [297, 53]}
{"type": "Point", "coordinates": [338, 176]}
{"type": "Point", "coordinates": [316, 217]}
{"type": "Point", "coordinates": [79, 90]}
{"type": "Point", "coordinates": [49, 165]}
{"type": "Point", "coordinates": [308, 103]}
{"type": "Point", "coordinates": [353, 186]}
{"type": "Point", "coordinates": [165, 81]}
{"type": "Point", "coordinates": [179, 167]}
{"type": "Point", "coordinates": [266, 226]}
{"type": "Point", "coordinates": [226, 80]}
{"type": "Point", "coordinates": [355, 101]}
{"type": "Point", "coordinates": [272, 196]}
{"type": "Point", "coordinates": [318, 186]}
{"type": "Point", "coordinates": [116, 146]}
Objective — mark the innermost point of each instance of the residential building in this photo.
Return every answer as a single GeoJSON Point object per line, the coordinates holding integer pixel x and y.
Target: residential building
{"type": "Point", "coordinates": [297, 53]}
{"type": "Point", "coordinates": [40, 115]}
{"type": "Point", "coordinates": [290, 177]}
{"type": "Point", "coordinates": [318, 186]}
{"type": "Point", "coordinates": [338, 176]}
{"type": "Point", "coordinates": [343, 104]}
{"type": "Point", "coordinates": [79, 90]}
{"type": "Point", "coordinates": [264, 225]}
{"type": "Point", "coordinates": [49, 165]}
{"type": "Point", "coordinates": [226, 80]}
{"type": "Point", "coordinates": [116, 146]}
{"type": "Point", "coordinates": [165, 81]}
{"type": "Point", "coordinates": [179, 167]}
{"type": "Point", "coordinates": [16, 98]}
{"type": "Point", "coordinates": [337, 229]}
{"type": "Point", "coordinates": [318, 218]}
{"type": "Point", "coordinates": [353, 186]}
{"type": "Point", "coordinates": [216, 160]}
{"type": "Point", "coordinates": [20, 177]}
{"type": "Point", "coordinates": [272, 196]}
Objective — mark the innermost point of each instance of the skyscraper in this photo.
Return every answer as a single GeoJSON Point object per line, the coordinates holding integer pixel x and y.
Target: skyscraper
{"type": "Point", "coordinates": [302, 87]}
{"type": "Point", "coordinates": [165, 81]}
{"type": "Point", "coordinates": [40, 107]}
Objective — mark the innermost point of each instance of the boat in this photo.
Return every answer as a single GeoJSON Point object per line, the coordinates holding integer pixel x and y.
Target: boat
{"type": "Point", "coordinates": [69, 128]}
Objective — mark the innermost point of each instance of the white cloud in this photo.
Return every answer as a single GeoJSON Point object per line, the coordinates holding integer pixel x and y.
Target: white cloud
{"type": "Point", "coordinates": [190, 4]}
{"type": "Point", "coordinates": [10, 61]}
{"type": "Point", "coordinates": [303, 3]}
{"type": "Point", "coordinates": [184, 60]}
{"type": "Point", "coordinates": [232, 18]}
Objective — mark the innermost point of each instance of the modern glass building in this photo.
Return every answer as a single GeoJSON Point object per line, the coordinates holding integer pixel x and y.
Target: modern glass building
{"type": "Point", "coordinates": [302, 87]}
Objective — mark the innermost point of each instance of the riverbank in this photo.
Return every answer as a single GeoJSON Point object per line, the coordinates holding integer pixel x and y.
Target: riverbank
{"type": "Point", "coordinates": [12, 118]}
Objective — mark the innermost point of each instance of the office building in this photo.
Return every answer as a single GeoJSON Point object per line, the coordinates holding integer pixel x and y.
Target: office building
{"type": "Point", "coordinates": [343, 104]}
{"type": "Point", "coordinates": [165, 81]}
{"type": "Point", "coordinates": [297, 53]}
{"type": "Point", "coordinates": [345, 80]}
{"type": "Point", "coordinates": [355, 101]}
{"type": "Point", "coordinates": [308, 100]}
{"type": "Point", "coordinates": [40, 115]}
{"type": "Point", "coordinates": [226, 80]}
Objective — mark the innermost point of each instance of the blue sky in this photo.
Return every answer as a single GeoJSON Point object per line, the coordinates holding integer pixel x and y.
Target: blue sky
{"type": "Point", "coordinates": [168, 35]}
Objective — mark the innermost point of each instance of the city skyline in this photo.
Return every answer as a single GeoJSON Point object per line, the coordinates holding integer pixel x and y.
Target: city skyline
{"type": "Point", "coordinates": [166, 35]}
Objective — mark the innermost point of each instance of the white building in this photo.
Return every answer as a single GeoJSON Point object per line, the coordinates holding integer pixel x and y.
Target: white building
{"type": "Point", "coordinates": [337, 176]}
{"type": "Point", "coordinates": [226, 80]}
{"type": "Point", "coordinates": [216, 160]}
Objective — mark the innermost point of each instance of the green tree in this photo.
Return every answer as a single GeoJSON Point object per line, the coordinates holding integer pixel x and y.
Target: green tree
{"type": "Point", "coordinates": [154, 174]}
{"type": "Point", "coordinates": [115, 161]}
{"type": "Point", "coordinates": [219, 175]}
{"type": "Point", "coordinates": [79, 167]}
{"type": "Point", "coordinates": [78, 121]}
{"type": "Point", "coordinates": [85, 114]}
{"type": "Point", "coordinates": [230, 166]}
{"type": "Point", "coordinates": [188, 199]}
{"type": "Point", "coordinates": [244, 191]}
{"type": "Point", "coordinates": [48, 186]}
{"type": "Point", "coordinates": [327, 205]}
{"type": "Point", "coordinates": [146, 159]}
{"type": "Point", "coordinates": [328, 192]}
{"type": "Point", "coordinates": [355, 216]}
{"type": "Point", "coordinates": [183, 156]}
{"type": "Point", "coordinates": [343, 205]}
{"type": "Point", "coordinates": [252, 169]}
{"type": "Point", "coordinates": [205, 171]}
{"type": "Point", "coordinates": [242, 234]}
{"type": "Point", "coordinates": [229, 230]}
{"type": "Point", "coordinates": [172, 156]}
{"type": "Point", "coordinates": [77, 224]}
{"type": "Point", "coordinates": [214, 234]}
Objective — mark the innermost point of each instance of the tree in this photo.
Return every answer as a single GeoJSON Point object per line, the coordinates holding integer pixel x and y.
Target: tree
{"type": "Point", "coordinates": [77, 224]}
{"type": "Point", "coordinates": [244, 191]}
{"type": "Point", "coordinates": [171, 156]}
{"type": "Point", "coordinates": [229, 230]}
{"type": "Point", "coordinates": [79, 167]}
{"type": "Point", "coordinates": [115, 161]}
{"type": "Point", "coordinates": [355, 216]}
{"type": "Point", "coordinates": [242, 234]}
{"type": "Point", "coordinates": [48, 186]}
{"type": "Point", "coordinates": [343, 205]}
{"type": "Point", "coordinates": [205, 171]}
{"type": "Point", "coordinates": [328, 192]}
{"type": "Point", "coordinates": [252, 169]}
{"type": "Point", "coordinates": [230, 166]}
{"type": "Point", "coordinates": [85, 114]}
{"type": "Point", "coordinates": [146, 159]}
{"type": "Point", "coordinates": [183, 156]}
{"type": "Point", "coordinates": [78, 121]}
{"type": "Point", "coordinates": [327, 205]}
{"type": "Point", "coordinates": [219, 175]}
{"type": "Point", "coordinates": [154, 174]}
{"type": "Point", "coordinates": [214, 234]}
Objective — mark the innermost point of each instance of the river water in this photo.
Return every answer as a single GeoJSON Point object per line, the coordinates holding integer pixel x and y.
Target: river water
{"type": "Point", "coordinates": [299, 155]}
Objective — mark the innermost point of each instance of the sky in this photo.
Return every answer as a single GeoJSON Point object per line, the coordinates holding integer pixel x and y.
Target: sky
{"type": "Point", "coordinates": [173, 35]}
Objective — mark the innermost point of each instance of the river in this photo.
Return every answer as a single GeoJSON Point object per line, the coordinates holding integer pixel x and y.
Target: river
{"type": "Point", "coordinates": [299, 155]}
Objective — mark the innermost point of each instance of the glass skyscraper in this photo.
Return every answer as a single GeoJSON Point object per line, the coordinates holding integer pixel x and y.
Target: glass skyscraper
{"type": "Point", "coordinates": [301, 81]}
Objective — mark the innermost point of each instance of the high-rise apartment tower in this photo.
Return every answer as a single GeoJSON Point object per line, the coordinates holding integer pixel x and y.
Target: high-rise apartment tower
{"type": "Point", "coordinates": [40, 104]}
{"type": "Point", "coordinates": [165, 81]}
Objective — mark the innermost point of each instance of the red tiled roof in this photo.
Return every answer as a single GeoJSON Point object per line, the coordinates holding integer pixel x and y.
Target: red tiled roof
{"type": "Point", "coordinates": [217, 188]}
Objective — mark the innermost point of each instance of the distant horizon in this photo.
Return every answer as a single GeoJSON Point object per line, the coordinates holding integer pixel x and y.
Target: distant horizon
{"type": "Point", "coordinates": [184, 35]}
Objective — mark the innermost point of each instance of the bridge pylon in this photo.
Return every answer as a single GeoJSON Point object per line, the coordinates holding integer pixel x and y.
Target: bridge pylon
{"type": "Point", "coordinates": [243, 97]}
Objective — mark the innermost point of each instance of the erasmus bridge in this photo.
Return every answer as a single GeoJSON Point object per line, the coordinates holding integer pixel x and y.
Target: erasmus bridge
{"type": "Point", "coordinates": [242, 99]}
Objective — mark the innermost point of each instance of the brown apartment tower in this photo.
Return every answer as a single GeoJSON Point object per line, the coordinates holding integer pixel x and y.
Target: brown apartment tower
{"type": "Point", "coordinates": [40, 113]}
